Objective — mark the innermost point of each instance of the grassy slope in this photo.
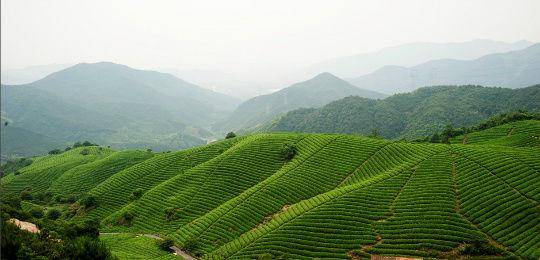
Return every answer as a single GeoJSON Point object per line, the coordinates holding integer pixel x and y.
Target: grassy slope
{"type": "Point", "coordinates": [520, 133]}
{"type": "Point", "coordinates": [340, 196]}
{"type": "Point", "coordinates": [43, 172]}
{"type": "Point", "coordinates": [127, 246]}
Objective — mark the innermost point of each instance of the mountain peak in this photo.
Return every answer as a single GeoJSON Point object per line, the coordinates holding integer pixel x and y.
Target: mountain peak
{"type": "Point", "coordinates": [326, 76]}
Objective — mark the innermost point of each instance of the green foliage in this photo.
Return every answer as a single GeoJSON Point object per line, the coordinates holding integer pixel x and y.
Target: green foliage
{"type": "Point", "coordinates": [88, 202]}
{"type": "Point", "coordinates": [230, 135]}
{"type": "Point", "coordinates": [449, 132]}
{"type": "Point", "coordinates": [88, 248]}
{"type": "Point", "coordinates": [12, 166]}
{"type": "Point", "coordinates": [55, 151]}
{"type": "Point", "coordinates": [411, 115]}
{"type": "Point", "coordinates": [126, 219]}
{"type": "Point", "coordinates": [165, 243]}
{"type": "Point", "coordinates": [479, 248]}
{"type": "Point", "coordinates": [137, 193]}
{"type": "Point", "coordinates": [26, 194]}
{"type": "Point", "coordinates": [36, 212]}
{"type": "Point", "coordinates": [53, 214]}
{"type": "Point", "coordinates": [130, 246]}
{"type": "Point", "coordinates": [288, 151]}
{"type": "Point", "coordinates": [20, 244]}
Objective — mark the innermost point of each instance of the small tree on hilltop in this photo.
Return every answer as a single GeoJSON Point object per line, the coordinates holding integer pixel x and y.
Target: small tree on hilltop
{"type": "Point", "coordinates": [230, 135]}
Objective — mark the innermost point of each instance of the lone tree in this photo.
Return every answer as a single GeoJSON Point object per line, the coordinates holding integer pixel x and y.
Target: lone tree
{"type": "Point", "coordinates": [230, 135]}
{"type": "Point", "coordinates": [288, 151]}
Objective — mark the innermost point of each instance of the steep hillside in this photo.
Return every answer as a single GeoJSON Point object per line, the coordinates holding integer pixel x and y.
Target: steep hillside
{"type": "Point", "coordinates": [315, 92]}
{"type": "Point", "coordinates": [512, 69]}
{"type": "Point", "coordinates": [308, 196]}
{"type": "Point", "coordinates": [110, 104]}
{"type": "Point", "coordinates": [410, 115]}
{"type": "Point", "coordinates": [412, 54]}
{"type": "Point", "coordinates": [519, 134]}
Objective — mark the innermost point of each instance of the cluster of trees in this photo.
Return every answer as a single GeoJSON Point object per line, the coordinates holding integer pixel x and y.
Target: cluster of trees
{"type": "Point", "coordinates": [57, 239]}
{"type": "Point", "coordinates": [501, 119]}
{"type": "Point", "coordinates": [12, 166]}
{"type": "Point", "coordinates": [75, 145]}
{"type": "Point", "coordinates": [409, 115]}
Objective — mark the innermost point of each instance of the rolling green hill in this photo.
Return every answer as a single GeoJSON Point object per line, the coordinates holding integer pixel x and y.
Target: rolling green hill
{"type": "Point", "coordinates": [304, 196]}
{"type": "Point", "coordinates": [411, 115]}
{"type": "Point", "coordinates": [520, 134]}
{"type": "Point", "coordinates": [315, 92]}
{"type": "Point", "coordinates": [110, 104]}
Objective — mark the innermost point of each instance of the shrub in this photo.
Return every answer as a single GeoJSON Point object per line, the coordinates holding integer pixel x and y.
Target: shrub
{"type": "Point", "coordinates": [88, 248]}
{"type": "Point", "coordinates": [170, 213]}
{"type": "Point", "coordinates": [85, 152]}
{"type": "Point", "coordinates": [230, 135]}
{"type": "Point", "coordinates": [265, 256]}
{"type": "Point", "coordinates": [477, 248]}
{"type": "Point", "coordinates": [137, 193]}
{"type": "Point", "coordinates": [53, 214]}
{"type": "Point", "coordinates": [55, 151]}
{"type": "Point", "coordinates": [126, 218]}
{"type": "Point", "coordinates": [288, 151]}
{"type": "Point", "coordinates": [88, 202]}
{"type": "Point", "coordinates": [26, 194]}
{"type": "Point", "coordinates": [165, 244]}
{"type": "Point", "coordinates": [44, 196]}
{"type": "Point", "coordinates": [36, 212]}
{"type": "Point", "coordinates": [189, 245]}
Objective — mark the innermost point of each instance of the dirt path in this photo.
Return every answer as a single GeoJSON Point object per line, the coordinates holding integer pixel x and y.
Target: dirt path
{"type": "Point", "coordinates": [177, 251]}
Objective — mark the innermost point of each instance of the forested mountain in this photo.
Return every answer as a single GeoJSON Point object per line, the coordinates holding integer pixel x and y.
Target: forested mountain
{"type": "Point", "coordinates": [410, 115]}
{"type": "Point", "coordinates": [511, 69]}
{"type": "Point", "coordinates": [302, 196]}
{"type": "Point", "coordinates": [412, 54]}
{"type": "Point", "coordinates": [110, 104]}
{"type": "Point", "coordinates": [315, 92]}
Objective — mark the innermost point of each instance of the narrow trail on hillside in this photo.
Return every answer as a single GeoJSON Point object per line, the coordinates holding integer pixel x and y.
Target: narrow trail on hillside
{"type": "Point", "coordinates": [177, 251]}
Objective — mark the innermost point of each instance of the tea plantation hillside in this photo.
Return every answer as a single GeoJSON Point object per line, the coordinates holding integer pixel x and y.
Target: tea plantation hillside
{"type": "Point", "coordinates": [521, 133]}
{"type": "Point", "coordinates": [305, 196]}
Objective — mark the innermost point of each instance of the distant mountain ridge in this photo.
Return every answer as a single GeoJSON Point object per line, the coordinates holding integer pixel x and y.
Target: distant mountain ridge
{"type": "Point", "coordinates": [410, 115]}
{"type": "Point", "coordinates": [412, 54]}
{"type": "Point", "coordinates": [314, 92]}
{"type": "Point", "coordinates": [511, 69]}
{"type": "Point", "coordinates": [113, 104]}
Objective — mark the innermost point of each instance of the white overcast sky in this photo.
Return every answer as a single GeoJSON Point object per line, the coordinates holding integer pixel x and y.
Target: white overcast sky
{"type": "Point", "coordinates": [237, 35]}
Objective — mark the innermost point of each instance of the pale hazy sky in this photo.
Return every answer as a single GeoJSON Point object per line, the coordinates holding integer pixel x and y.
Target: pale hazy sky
{"type": "Point", "coordinates": [238, 35]}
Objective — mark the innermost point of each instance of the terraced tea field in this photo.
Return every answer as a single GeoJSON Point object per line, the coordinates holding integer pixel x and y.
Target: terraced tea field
{"type": "Point", "coordinates": [331, 196]}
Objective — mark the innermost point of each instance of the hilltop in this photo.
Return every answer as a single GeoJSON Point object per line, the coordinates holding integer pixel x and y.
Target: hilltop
{"type": "Point", "coordinates": [314, 92]}
{"type": "Point", "coordinates": [307, 195]}
{"type": "Point", "coordinates": [110, 104]}
{"type": "Point", "coordinates": [512, 69]}
{"type": "Point", "coordinates": [409, 115]}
